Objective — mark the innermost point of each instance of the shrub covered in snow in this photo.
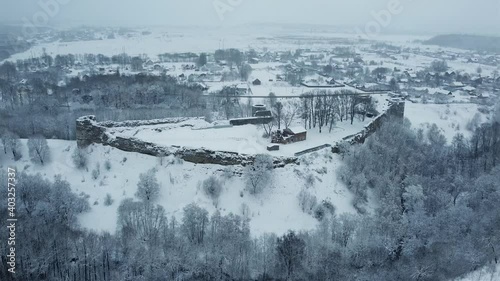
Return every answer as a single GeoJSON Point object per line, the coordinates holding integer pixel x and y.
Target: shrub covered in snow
{"type": "Point", "coordinates": [11, 143]}
{"type": "Point", "coordinates": [107, 165]}
{"type": "Point", "coordinates": [97, 171]}
{"type": "Point", "coordinates": [307, 201]}
{"type": "Point", "coordinates": [324, 209]}
{"type": "Point", "coordinates": [108, 200]}
{"type": "Point", "coordinates": [79, 157]}
{"type": "Point", "coordinates": [212, 187]}
{"type": "Point", "coordinates": [38, 150]}
{"type": "Point", "coordinates": [161, 159]}
{"type": "Point", "coordinates": [148, 188]}
{"type": "Point", "coordinates": [310, 180]}
{"type": "Point", "coordinates": [227, 173]}
{"type": "Point", "coordinates": [259, 175]}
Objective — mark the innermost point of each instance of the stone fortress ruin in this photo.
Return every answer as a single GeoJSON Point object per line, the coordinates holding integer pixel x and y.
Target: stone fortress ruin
{"type": "Point", "coordinates": [90, 131]}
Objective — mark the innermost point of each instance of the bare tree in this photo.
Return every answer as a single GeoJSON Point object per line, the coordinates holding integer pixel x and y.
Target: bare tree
{"type": "Point", "coordinates": [38, 150]}
{"type": "Point", "coordinates": [269, 127]}
{"type": "Point", "coordinates": [277, 112]}
{"type": "Point", "coordinates": [291, 250]}
{"type": "Point", "coordinates": [14, 145]}
{"type": "Point", "coordinates": [259, 174]}
{"type": "Point", "coordinates": [148, 188]}
{"type": "Point", "coordinates": [291, 110]}
{"type": "Point", "coordinates": [79, 157]}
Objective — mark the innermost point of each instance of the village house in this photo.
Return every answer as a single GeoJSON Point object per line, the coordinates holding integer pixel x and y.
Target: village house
{"type": "Point", "coordinates": [476, 81]}
{"type": "Point", "coordinates": [470, 90]}
{"type": "Point", "coordinates": [242, 89]}
{"type": "Point", "coordinates": [457, 85]}
{"type": "Point", "coordinates": [410, 75]}
{"type": "Point", "coordinates": [450, 75]}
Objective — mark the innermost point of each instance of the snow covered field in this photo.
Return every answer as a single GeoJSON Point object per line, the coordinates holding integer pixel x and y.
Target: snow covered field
{"type": "Point", "coordinates": [275, 210]}
{"type": "Point", "coordinates": [450, 118]}
{"type": "Point", "coordinates": [193, 39]}
{"type": "Point", "coordinates": [186, 39]}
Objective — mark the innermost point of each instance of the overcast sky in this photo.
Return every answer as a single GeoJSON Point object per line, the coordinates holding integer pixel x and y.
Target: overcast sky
{"type": "Point", "coordinates": [426, 16]}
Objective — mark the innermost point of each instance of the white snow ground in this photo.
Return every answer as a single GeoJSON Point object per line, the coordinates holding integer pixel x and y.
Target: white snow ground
{"type": "Point", "coordinates": [450, 118]}
{"type": "Point", "coordinates": [488, 273]}
{"type": "Point", "coordinates": [242, 139]}
{"type": "Point", "coordinates": [276, 210]}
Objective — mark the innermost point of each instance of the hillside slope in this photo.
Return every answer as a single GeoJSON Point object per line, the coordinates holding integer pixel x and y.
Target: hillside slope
{"type": "Point", "coordinates": [275, 210]}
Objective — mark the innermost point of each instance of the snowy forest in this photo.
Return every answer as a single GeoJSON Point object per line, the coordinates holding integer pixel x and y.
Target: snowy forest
{"type": "Point", "coordinates": [30, 110]}
{"type": "Point", "coordinates": [436, 217]}
{"type": "Point", "coordinates": [235, 140]}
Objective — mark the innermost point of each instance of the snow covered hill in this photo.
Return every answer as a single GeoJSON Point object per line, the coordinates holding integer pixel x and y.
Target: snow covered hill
{"type": "Point", "coordinates": [275, 210]}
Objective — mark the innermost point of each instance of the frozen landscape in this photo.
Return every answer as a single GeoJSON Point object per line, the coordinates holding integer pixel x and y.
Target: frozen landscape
{"type": "Point", "coordinates": [191, 146]}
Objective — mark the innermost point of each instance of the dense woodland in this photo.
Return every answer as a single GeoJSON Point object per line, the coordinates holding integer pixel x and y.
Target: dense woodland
{"type": "Point", "coordinates": [433, 216]}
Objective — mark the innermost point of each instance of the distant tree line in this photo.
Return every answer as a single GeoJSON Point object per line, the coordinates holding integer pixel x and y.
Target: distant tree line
{"type": "Point", "coordinates": [38, 105]}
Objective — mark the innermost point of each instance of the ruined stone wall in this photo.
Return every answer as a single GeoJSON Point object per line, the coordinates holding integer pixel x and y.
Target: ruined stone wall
{"type": "Point", "coordinates": [396, 111]}
{"type": "Point", "coordinates": [90, 131]}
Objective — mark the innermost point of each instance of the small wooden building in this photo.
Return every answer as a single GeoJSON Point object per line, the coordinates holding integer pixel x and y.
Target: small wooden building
{"type": "Point", "coordinates": [273, 147]}
{"type": "Point", "coordinates": [289, 135]}
{"type": "Point", "coordinates": [295, 134]}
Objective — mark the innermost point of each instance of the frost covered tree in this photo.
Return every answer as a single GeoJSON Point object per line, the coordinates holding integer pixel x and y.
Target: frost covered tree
{"type": "Point", "coordinates": [393, 85]}
{"type": "Point", "coordinates": [212, 188]}
{"type": "Point", "coordinates": [259, 174]}
{"type": "Point", "coordinates": [291, 250]}
{"type": "Point", "coordinates": [202, 60]}
{"type": "Point", "coordinates": [65, 204]}
{"type": "Point", "coordinates": [439, 66]}
{"type": "Point", "coordinates": [277, 113]}
{"type": "Point", "coordinates": [290, 111]}
{"type": "Point", "coordinates": [136, 64]}
{"type": "Point", "coordinates": [141, 222]}
{"type": "Point", "coordinates": [96, 172]}
{"type": "Point", "coordinates": [496, 114]}
{"type": "Point", "coordinates": [194, 223]}
{"type": "Point", "coordinates": [4, 134]}
{"type": "Point", "coordinates": [13, 144]}
{"type": "Point", "coordinates": [245, 72]}
{"type": "Point", "coordinates": [228, 237]}
{"type": "Point", "coordinates": [148, 188]}
{"type": "Point", "coordinates": [39, 150]}
{"type": "Point", "coordinates": [31, 190]}
{"type": "Point", "coordinates": [80, 158]}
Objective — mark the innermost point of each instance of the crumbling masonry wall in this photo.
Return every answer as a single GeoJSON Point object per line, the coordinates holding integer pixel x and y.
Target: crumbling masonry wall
{"type": "Point", "coordinates": [396, 111]}
{"type": "Point", "coordinates": [89, 131]}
